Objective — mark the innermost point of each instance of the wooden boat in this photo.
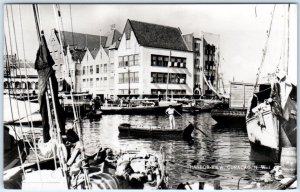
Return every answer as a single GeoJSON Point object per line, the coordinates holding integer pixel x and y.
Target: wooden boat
{"type": "Point", "coordinates": [126, 129]}
{"type": "Point", "coordinates": [229, 116]}
{"type": "Point", "coordinates": [94, 114]}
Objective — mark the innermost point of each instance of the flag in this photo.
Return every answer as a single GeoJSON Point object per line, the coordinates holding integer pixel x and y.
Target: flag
{"type": "Point", "coordinates": [43, 65]}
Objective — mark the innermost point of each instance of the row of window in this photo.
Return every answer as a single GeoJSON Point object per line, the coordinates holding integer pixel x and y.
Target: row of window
{"type": "Point", "coordinates": [89, 70]}
{"type": "Point", "coordinates": [210, 49]}
{"type": "Point", "coordinates": [20, 85]}
{"type": "Point", "coordinates": [90, 81]}
{"type": "Point", "coordinates": [170, 91]}
{"type": "Point", "coordinates": [125, 91]}
{"type": "Point", "coordinates": [174, 78]}
{"type": "Point", "coordinates": [129, 60]}
{"type": "Point", "coordinates": [164, 61]}
{"type": "Point", "coordinates": [133, 77]}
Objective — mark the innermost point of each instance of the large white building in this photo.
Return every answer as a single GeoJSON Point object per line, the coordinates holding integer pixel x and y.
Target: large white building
{"type": "Point", "coordinates": [147, 55]}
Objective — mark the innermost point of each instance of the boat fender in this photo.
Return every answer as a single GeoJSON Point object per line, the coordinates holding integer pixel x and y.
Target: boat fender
{"type": "Point", "coordinates": [62, 150]}
{"type": "Point", "coordinates": [47, 149]}
{"type": "Point", "coordinates": [75, 154]}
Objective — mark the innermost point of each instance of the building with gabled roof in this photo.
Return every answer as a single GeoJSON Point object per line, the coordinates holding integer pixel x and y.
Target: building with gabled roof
{"type": "Point", "coordinates": [147, 55]}
{"type": "Point", "coordinates": [78, 48]}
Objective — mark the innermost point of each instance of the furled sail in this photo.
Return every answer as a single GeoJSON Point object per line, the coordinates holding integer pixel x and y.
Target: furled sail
{"type": "Point", "coordinates": [43, 65]}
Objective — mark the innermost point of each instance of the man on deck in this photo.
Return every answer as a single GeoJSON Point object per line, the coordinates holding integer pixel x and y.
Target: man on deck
{"type": "Point", "coordinates": [170, 112]}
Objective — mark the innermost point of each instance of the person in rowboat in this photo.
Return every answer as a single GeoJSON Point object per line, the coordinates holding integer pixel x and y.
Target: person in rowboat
{"type": "Point", "coordinates": [170, 112]}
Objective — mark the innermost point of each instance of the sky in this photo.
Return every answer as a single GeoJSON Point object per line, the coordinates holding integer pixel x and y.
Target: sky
{"type": "Point", "coordinates": [242, 29]}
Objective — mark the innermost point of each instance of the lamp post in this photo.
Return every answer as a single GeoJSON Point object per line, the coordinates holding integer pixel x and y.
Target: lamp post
{"type": "Point", "coordinates": [128, 71]}
{"type": "Point", "coordinates": [128, 82]}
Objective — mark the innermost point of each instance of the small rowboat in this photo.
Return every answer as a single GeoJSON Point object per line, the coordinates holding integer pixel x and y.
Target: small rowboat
{"type": "Point", "coordinates": [126, 129]}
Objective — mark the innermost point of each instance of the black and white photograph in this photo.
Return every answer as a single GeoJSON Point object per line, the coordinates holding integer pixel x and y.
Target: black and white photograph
{"type": "Point", "coordinates": [149, 96]}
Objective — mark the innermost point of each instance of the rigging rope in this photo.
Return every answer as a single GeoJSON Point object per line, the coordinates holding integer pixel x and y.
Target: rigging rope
{"type": "Point", "coordinates": [66, 61]}
{"type": "Point", "coordinates": [288, 40]}
{"type": "Point", "coordinates": [14, 128]}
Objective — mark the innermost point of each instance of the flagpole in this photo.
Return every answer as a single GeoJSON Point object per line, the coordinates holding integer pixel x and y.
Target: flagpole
{"type": "Point", "coordinates": [168, 76]}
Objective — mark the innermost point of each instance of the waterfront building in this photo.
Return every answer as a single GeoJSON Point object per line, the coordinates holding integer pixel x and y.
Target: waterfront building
{"type": "Point", "coordinates": [20, 81]}
{"type": "Point", "coordinates": [87, 58]}
{"type": "Point", "coordinates": [153, 59]}
{"type": "Point", "coordinates": [19, 76]}
{"type": "Point", "coordinates": [206, 61]}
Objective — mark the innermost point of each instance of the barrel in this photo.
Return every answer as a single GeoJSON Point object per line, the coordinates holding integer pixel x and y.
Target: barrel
{"type": "Point", "coordinates": [288, 161]}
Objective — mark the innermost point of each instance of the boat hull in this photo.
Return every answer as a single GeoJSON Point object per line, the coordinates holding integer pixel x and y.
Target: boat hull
{"type": "Point", "coordinates": [127, 131]}
{"type": "Point", "coordinates": [264, 136]}
{"type": "Point", "coordinates": [236, 117]}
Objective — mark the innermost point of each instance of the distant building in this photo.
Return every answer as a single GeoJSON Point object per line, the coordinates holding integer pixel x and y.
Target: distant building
{"type": "Point", "coordinates": [19, 80]}
{"type": "Point", "coordinates": [144, 54]}
{"type": "Point", "coordinates": [88, 60]}
{"type": "Point", "coordinates": [206, 61]}
{"type": "Point", "coordinates": [19, 76]}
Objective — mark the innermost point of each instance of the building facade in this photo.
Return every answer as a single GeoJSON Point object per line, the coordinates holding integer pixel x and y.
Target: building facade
{"type": "Point", "coordinates": [206, 62]}
{"type": "Point", "coordinates": [146, 60]}
{"type": "Point", "coordinates": [153, 59]}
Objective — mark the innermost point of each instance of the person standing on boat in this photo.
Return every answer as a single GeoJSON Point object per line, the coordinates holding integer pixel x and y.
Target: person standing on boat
{"type": "Point", "coordinates": [170, 112]}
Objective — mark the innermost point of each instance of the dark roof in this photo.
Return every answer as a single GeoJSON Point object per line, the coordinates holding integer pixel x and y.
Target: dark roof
{"type": "Point", "coordinates": [82, 40]}
{"type": "Point", "coordinates": [112, 37]}
{"type": "Point", "coordinates": [153, 35]}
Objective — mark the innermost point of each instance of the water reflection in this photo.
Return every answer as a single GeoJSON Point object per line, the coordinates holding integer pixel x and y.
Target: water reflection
{"type": "Point", "coordinates": [226, 152]}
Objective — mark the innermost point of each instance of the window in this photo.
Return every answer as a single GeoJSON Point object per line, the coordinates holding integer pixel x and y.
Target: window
{"type": "Point", "coordinates": [125, 78]}
{"type": "Point", "coordinates": [105, 68]}
{"type": "Point", "coordinates": [97, 69]}
{"type": "Point", "coordinates": [136, 77]}
{"type": "Point", "coordinates": [91, 82]}
{"type": "Point", "coordinates": [91, 70]}
{"type": "Point", "coordinates": [153, 77]}
{"type": "Point", "coordinates": [83, 70]}
{"type": "Point", "coordinates": [153, 60]}
{"type": "Point", "coordinates": [166, 61]}
{"type": "Point", "coordinates": [125, 61]}
{"type": "Point", "coordinates": [136, 59]}
{"type": "Point", "coordinates": [121, 78]}
{"type": "Point", "coordinates": [127, 43]}
{"type": "Point", "coordinates": [97, 82]}
{"type": "Point", "coordinates": [83, 82]}
{"type": "Point", "coordinates": [131, 60]}
{"type": "Point", "coordinates": [121, 62]}
{"type": "Point", "coordinates": [104, 78]}
{"type": "Point", "coordinates": [159, 61]}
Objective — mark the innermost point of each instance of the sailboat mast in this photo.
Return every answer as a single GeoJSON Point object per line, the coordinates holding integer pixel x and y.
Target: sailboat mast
{"type": "Point", "coordinates": [265, 49]}
{"type": "Point", "coordinates": [169, 63]}
{"type": "Point", "coordinates": [288, 41]}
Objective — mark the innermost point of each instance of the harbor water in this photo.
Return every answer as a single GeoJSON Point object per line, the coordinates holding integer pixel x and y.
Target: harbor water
{"type": "Point", "coordinates": [224, 155]}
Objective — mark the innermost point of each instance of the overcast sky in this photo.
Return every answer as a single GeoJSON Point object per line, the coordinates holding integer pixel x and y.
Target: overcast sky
{"type": "Point", "coordinates": [242, 30]}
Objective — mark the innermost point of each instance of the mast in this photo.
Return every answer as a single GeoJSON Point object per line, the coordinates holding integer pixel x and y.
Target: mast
{"type": "Point", "coordinates": [265, 49]}
{"type": "Point", "coordinates": [168, 76]}
{"type": "Point", "coordinates": [288, 41]}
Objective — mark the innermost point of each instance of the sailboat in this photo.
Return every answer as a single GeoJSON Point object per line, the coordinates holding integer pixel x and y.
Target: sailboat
{"type": "Point", "coordinates": [271, 116]}
{"type": "Point", "coordinates": [59, 160]}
